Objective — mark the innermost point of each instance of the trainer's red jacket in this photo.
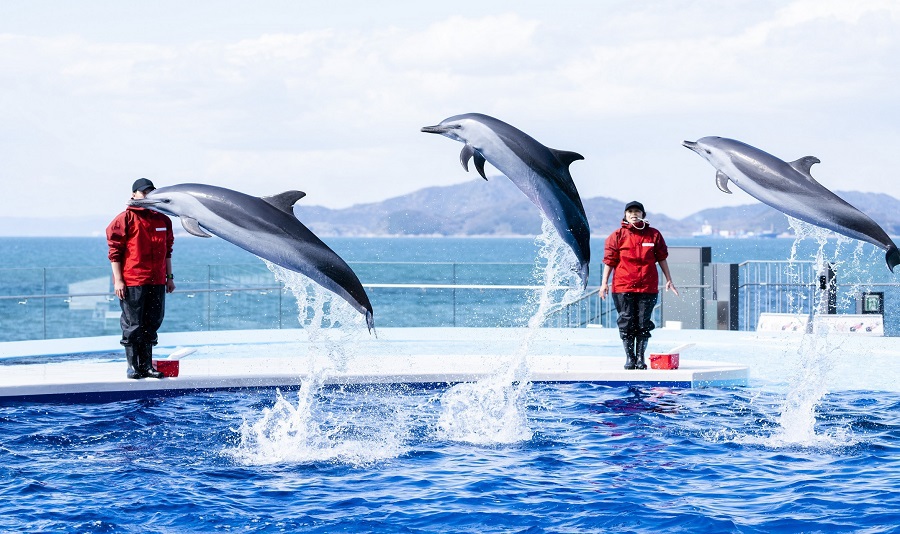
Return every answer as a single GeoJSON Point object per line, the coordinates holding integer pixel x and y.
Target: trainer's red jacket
{"type": "Point", "coordinates": [141, 240]}
{"type": "Point", "coordinates": [633, 254]}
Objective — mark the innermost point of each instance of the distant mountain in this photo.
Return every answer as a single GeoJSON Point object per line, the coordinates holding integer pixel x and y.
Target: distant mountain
{"type": "Point", "coordinates": [495, 208]}
{"type": "Point", "coordinates": [481, 207]}
{"type": "Point", "coordinates": [484, 208]}
{"type": "Point", "coordinates": [487, 208]}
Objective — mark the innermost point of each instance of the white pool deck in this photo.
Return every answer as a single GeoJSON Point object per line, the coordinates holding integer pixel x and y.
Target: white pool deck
{"type": "Point", "coordinates": [93, 369]}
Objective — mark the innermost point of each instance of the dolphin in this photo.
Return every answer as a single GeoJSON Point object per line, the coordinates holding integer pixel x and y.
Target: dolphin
{"type": "Point", "coordinates": [791, 189]}
{"type": "Point", "coordinates": [264, 226]}
{"type": "Point", "coordinates": [540, 172]}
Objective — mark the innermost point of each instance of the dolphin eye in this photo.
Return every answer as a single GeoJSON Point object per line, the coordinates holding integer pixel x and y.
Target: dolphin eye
{"type": "Point", "coordinates": [707, 151]}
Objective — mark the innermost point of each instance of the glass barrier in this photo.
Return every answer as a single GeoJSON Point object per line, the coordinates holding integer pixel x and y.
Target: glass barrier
{"type": "Point", "coordinates": [47, 303]}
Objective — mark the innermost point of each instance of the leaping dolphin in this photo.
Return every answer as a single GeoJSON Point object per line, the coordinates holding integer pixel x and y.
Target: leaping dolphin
{"type": "Point", "coordinates": [264, 226]}
{"type": "Point", "coordinates": [791, 189]}
{"type": "Point", "coordinates": [540, 172]}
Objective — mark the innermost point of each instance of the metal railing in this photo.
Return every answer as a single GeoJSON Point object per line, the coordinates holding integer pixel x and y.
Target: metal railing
{"type": "Point", "coordinates": [34, 303]}
{"type": "Point", "coordinates": [795, 287]}
{"type": "Point", "coordinates": [590, 309]}
{"type": "Point", "coordinates": [587, 309]}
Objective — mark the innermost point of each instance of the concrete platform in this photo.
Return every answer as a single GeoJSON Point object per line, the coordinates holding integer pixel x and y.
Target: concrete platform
{"type": "Point", "coordinates": [93, 369]}
{"type": "Point", "coordinates": [100, 381]}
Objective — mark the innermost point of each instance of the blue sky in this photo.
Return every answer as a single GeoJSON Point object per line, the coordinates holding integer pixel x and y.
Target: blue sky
{"type": "Point", "coordinates": [328, 97]}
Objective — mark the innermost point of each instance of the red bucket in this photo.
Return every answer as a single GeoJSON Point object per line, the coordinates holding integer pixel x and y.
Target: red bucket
{"type": "Point", "coordinates": [168, 368]}
{"type": "Point", "coordinates": [664, 361]}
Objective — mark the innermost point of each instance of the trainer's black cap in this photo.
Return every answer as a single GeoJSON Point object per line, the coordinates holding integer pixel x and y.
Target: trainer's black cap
{"type": "Point", "coordinates": [142, 184]}
{"type": "Point", "coordinates": [635, 204]}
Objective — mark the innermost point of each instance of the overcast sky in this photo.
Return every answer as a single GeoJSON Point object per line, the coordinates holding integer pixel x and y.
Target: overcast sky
{"type": "Point", "coordinates": [328, 97]}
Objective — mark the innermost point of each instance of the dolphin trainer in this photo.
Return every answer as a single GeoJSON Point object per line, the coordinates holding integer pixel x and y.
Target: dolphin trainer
{"type": "Point", "coordinates": [791, 189]}
{"type": "Point", "coordinates": [264, 226]}
{"type": "Point", "coordinates": [540, 172]}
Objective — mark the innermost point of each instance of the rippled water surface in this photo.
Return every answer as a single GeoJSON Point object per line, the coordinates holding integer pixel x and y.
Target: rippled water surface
{"type": "Point", "coordinates": [375, 459]}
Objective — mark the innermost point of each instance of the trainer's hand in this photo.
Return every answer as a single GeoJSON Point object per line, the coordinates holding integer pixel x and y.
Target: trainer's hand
{"type": "Point", "coordinates": [604, 290]}
{"type": "Point", "coordinates": [671, 287]}
{"type": "Point", "coordinates": [170, 285]}
{"type": "Point", "coordinates": [120, 290]}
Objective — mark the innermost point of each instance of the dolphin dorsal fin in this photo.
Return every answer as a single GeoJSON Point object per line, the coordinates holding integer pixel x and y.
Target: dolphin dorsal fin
{"type": "Point", "coordinates": [566, 157]}
{"type": "Point", "coordinates": [285, 201]}
{"type": "Point", "coordinates": [722, 182]}
{"type": "Point", "coordinates": [804, 164]}
{"type": "Point", "coordinates": [193, 227]}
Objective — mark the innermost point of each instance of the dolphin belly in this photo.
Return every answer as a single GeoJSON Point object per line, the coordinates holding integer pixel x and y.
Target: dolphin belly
{"type": "Point", "coordinates": [270, 231]}
{"type": "Point", "coordinates": [568, 220]}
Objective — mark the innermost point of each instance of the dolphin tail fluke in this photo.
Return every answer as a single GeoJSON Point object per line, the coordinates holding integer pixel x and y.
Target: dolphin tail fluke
{"type": "Point", "coordinates": [583, 273]}
{"type": "Point", "coordinates": [892, 257]}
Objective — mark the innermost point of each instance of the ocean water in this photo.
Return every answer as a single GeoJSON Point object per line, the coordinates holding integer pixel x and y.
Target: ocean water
{"type": "Point", "coordinates": [500, 455]}
{"type": "Point", "coordinates": [30, 252]}
{"type": "Point", "coordinates": [36, 266]}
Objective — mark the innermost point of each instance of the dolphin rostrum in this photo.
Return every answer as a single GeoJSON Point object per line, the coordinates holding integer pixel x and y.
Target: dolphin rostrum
{"type": "Point", "coordinates": [789, 188]}
{"type": "Point", "coordinates": [540, 172]}
{"type": "Point", "coordinates": [264, 226]}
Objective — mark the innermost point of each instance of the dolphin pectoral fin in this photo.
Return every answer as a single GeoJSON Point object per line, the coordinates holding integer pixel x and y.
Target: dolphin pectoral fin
{"type": "Point", "coordinates": [566, 157]}
{"type": "Point", "coordinates": [285, 201]}
{"type": "Point", "coordinates": [193, 227]}
{"type": "Point", "coordinates": [722, 182]}
{"type": "Point", "coordinates": [582, 269]}
{"type": "Point", "coordinates": [370, 322]}
{"type": "Point", "coordinates": [467, 152]}
{"type": "Point", "coordinates": [479, 164]}
{"type": "Point", "coordinates": [803, 165]}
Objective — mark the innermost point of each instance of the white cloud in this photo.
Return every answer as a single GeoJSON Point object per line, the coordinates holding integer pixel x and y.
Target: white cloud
{"type": "Point", "coordinates": [466, 43]}
{"type": "Point", "coordinates": [339, 107]}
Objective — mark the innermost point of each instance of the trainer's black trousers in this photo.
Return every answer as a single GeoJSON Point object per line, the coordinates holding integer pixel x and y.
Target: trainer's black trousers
{"type": "Point", "coordinates": [142, 314]}
{"type": "Point", "coordinates": [635, 311]}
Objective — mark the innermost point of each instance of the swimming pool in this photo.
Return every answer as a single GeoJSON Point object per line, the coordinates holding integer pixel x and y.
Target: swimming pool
{"type": "Point", "coordinates": [566, 457]}
{"type": "Point", "coordinates": [375, 459]}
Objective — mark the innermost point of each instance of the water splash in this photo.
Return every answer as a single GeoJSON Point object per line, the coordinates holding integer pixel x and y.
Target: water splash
{"type": "Point", "coordinates": [334, 328]}
{"type": "Point", "coordinates": [554, 271]}
{"type": "Point", "coordinates": [309, 429]}
{"type": "Point", "coordinates": [816, 354]}
{"type": "Point", "coordinates": [488, 412]}
{"type": "Point", "coordinates": [493, 410]}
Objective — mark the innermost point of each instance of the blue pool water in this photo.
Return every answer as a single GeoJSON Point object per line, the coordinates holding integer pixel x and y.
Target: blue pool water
{"type": "Point", "coordinates": [600, 460]}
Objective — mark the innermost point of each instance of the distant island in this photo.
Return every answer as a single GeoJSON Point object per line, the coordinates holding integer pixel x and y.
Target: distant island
{"type": "Point", "coordinates": [492, 208]}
